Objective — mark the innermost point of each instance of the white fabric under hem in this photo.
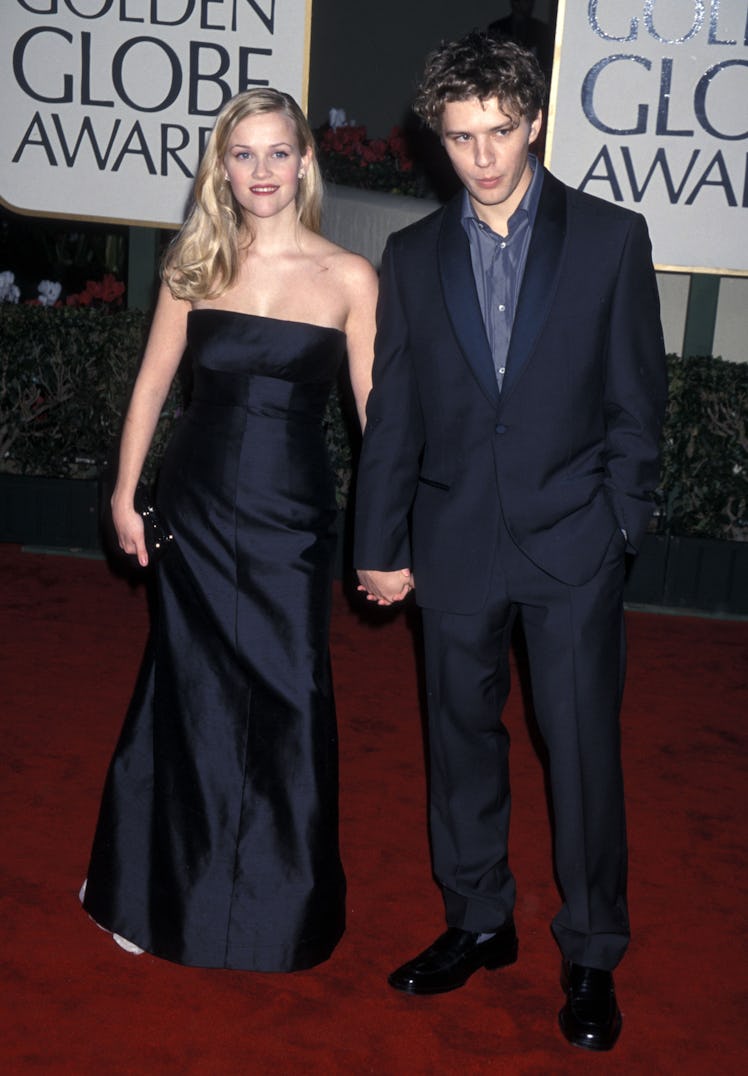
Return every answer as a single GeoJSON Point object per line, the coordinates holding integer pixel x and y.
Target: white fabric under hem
{"type": "Point", "coordinates": [123, 943]}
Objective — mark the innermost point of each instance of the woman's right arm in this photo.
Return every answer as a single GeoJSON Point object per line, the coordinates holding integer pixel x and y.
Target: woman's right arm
{"type": "Point", "coordinates": [163, 353]}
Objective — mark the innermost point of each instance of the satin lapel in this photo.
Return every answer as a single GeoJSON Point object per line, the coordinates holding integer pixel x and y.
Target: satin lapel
{"type": "Point", "coordinates": [540, 278]}
{"type": "Point", "coordinates": [461, 298]}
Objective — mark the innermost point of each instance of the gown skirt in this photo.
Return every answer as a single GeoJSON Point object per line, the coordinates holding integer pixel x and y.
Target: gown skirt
{"type": "Point", "coordinates": [217, 838]}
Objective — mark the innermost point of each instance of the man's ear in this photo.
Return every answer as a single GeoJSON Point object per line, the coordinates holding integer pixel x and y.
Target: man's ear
{"type": "Point", "coordinates": [535, 126]}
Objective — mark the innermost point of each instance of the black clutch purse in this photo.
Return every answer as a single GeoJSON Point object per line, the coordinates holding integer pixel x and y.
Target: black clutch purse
{"type": "Point", "coordinates": [158, 537]}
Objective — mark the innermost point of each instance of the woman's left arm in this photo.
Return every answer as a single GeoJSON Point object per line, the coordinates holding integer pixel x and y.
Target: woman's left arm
{"type": "Point", "coordinates": [362, 285]}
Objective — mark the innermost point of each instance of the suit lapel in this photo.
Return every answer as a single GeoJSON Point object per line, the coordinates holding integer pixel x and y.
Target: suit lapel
{"type": "Point", "coordinates": [461, 298]}
{"type": "Point", "coordinates": [539, 280]}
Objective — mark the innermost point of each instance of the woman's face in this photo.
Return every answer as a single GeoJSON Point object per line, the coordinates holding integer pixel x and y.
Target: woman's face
{"type": "Point", "coordinates": [262, 163]}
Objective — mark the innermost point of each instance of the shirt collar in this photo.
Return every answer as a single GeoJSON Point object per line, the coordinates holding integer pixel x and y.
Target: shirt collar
{"type": "Point", "coordinates": [528, 205]}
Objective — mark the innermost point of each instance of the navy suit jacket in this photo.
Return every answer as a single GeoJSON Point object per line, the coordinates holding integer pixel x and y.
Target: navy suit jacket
{"type": "Point", "coordinates": [568, 451]}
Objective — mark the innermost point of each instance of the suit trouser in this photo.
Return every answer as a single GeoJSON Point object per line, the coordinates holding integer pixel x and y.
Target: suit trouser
{"type": "Point", "coordinates": [576, 651]}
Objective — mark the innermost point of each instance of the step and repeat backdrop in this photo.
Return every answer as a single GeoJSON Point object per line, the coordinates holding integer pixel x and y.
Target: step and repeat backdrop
{"type": "Point", "coordinates": [108, 103]}
{"type": "Point", "coordinates": [649, 108]}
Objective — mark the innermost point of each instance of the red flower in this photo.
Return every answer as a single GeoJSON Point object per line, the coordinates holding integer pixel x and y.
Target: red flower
{"type": "Point", "coordinates": [83, 298]}
{"type": "Point", "coordinates": [107, 291]}
{"type": "Point", "coordinates": [399, 148]}
{"type": "Point", "coordinates": [347, 156]}
{"type": "Point", "coordinates": [347, 141]}
{"type": "Point", "coordinates": [375, 151]}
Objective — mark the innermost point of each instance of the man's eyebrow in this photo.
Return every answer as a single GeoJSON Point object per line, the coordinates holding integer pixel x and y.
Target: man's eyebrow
{"type": "Point", "coordinates": [507, 125]}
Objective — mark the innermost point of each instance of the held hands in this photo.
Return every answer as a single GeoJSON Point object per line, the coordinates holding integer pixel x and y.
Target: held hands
{"type": "Point", "coordinates": [129, 527]}
{"type": "Point", "coordinates": [385, 588]}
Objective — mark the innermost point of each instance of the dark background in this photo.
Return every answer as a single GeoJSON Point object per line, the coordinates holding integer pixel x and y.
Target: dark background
{"type": "Point", "coordinates": [367, 57]}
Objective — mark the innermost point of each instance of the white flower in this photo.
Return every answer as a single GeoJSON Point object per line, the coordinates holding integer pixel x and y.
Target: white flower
{"type": "Point", "coordinates": [9, 290]}
{"type": "Point", "coordinates": [337, 118]}
{"type": "Point", "coordinates": [49, 292]}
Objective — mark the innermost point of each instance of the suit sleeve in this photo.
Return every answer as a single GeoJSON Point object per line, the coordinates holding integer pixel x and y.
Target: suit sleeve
{"type": "Point", "coordinates": [393, 438]}
{"type": "Point", "coordinates": [636, 387]}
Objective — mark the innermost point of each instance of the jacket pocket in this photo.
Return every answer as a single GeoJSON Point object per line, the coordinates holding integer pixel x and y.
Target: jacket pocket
{"type": "Point", "coordinates": [433, 483]}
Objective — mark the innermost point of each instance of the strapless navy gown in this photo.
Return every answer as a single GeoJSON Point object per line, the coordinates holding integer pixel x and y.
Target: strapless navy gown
{"type": "Point", "coordinates": [217, 839]}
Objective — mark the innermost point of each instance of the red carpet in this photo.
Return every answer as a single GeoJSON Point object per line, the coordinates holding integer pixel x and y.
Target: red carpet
{"type": "Point", "coordinates": [72, 635]}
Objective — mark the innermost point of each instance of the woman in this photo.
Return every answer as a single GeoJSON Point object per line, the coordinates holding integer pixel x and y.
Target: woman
{"type": "Point", "coordinates": [217, 839]}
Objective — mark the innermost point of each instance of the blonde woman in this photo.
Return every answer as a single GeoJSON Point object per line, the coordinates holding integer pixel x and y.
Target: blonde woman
{"type": "Point", "coordinates": [217, 841]}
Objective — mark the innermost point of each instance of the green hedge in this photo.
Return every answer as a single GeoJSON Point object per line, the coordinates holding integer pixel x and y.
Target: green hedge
{"type": "Point", "coordinates": [65, 378]}
{"type": "Point", "coordinates": [66, 375]}
{"type": "Point", "coordinates": [705, 448]}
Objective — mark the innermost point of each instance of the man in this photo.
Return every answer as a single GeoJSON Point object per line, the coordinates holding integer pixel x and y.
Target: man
{"type": "Point", "coordinates": [509, 459]}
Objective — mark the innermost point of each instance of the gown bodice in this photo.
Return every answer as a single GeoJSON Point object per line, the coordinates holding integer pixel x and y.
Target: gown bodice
{"type": "Point", "coordinates": [249, 360]}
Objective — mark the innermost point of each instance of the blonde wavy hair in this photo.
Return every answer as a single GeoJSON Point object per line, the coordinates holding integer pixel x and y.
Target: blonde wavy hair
{"type": "Point", "coordinates": [203, 259]}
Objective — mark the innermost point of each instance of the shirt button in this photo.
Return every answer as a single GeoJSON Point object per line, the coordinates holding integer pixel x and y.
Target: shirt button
{"type": "Point", "coordinates": [501, 428]}
{"type": "Point", "coordinates": [502, 245]}
{"type": "Point", "coordinates": [502, 308]}
{"type": "Point", "coordinates": [502, 369]}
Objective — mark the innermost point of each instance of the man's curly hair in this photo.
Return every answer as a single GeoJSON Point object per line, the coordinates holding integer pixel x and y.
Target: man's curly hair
{"type": "Point", "coordinates": [480, 65]}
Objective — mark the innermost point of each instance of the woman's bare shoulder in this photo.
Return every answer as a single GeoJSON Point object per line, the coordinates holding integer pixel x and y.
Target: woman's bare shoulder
{"type": "Point", "coordinates": [343, 261]}
{"type": "Point", "coordinates": [351, 269]}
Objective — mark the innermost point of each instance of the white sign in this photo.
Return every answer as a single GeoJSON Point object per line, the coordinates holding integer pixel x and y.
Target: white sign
{"type": "Point", "coordinates": [107, 104]}
{"type": "Point", "coordinates": [649, 109]}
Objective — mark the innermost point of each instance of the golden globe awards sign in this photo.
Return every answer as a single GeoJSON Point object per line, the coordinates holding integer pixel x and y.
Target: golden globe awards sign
{"type": "Point", "coordinates": [649, 109]}
{"type": "Point", "coordinates": [107, 104]}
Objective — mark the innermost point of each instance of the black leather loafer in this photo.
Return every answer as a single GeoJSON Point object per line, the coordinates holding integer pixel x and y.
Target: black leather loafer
{"type": "Point", "coordinates": [590, 1017]}
{"type": "Point", "coordinates": [452, 959]}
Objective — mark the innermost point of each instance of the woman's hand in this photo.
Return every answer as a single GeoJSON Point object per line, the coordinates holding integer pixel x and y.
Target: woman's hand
{"type": "Point", "coordinates": [129, 527]}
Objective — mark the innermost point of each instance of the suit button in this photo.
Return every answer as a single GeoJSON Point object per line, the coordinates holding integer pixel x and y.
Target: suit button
{"type": "Point", "coordinates": [501, 428]}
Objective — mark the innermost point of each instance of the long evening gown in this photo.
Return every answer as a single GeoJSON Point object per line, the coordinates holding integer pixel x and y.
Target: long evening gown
{"type": "Point", "coordinates": [217, 839]}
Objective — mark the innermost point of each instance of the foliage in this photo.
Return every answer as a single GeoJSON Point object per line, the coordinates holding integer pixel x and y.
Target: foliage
{"type": "Point", "coordinates": [705, 448]}
{"type": "Point", "coordinates": [338, 426]}
{"type": "Point", "coordinates": [347, 156]}
{"type": "Point", "coordinates": [66, 375]}
{"type": "Point", "coordinates": [65, 379]}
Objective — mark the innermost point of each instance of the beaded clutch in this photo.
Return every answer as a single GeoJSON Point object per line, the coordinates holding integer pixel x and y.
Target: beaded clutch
{"type": "Point", "coordinates": [158, 537]}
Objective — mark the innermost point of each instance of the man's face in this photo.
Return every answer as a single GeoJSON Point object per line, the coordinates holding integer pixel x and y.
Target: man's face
{"type": "Point", "coordinates": [488, 150]}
